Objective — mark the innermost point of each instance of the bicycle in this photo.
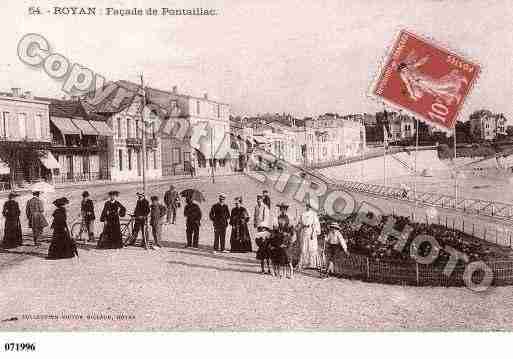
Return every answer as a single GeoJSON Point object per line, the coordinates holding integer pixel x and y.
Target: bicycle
{"type": "Point", "coordinates": [127, 230]}
{"type": "Point", "coordinates": [78, 228]}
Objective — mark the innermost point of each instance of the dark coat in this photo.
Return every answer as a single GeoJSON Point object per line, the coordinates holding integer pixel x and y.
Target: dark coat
{"type": "Point", "coordinates": [142, 208]}
{"type": "Point", "coordinates": [192, 212]}
{"type": "Point", "coordinates": [12, 229]}
{"type": "Point", "coordinates": [111, 236]}
{"type": "Point", "coordinates": [87, 209]}
{"type": "Point", "coordinates": [267, 201]}
{"type": "Point", "coordinates": [62, 245]}
{"type": "Point", "coordinates": [171, 199]}
{"type": "Point", "coordinates": [240, 241]}
{"type": "Point", "coordinates": [220, 214]}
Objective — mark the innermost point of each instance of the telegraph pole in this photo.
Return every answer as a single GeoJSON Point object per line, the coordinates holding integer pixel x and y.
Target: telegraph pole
{"type": "Point", "coordinates": [143, 120]}
{"type": "Point", "coordinates": [212, 163]}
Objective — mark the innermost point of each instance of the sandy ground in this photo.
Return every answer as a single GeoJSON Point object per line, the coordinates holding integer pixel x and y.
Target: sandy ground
{"type": "Point", "coordinates": [182, 289]}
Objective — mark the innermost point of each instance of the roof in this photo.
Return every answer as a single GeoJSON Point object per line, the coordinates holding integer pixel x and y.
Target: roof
{"type": "Point", "coordinates": [65, 125]}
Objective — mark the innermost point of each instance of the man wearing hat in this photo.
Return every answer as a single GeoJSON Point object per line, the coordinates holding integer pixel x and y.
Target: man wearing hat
{"type": "Point", "coordinates": [157, 214]}
{"type": "Point", "coordinates": [192, 214]}
{"type": "Point", "coordinates": [172, 202]}
{"type": "Point", "coordinates": [36, 216]}
{"type": "Point", "coordinates": [219, 215]}
{"type": "Point", "coordinates": [266, 199]}
{"type": "Point", "coordinates": [88, 216]}
{"type": "Point", "coordinates": [334, 240]}
{"type": "Point", "coordinates": [141, 212]}
{"type": "Point", "coordinates": [12, 228]}
{"type": "Point", "coordinates": [261, 213]}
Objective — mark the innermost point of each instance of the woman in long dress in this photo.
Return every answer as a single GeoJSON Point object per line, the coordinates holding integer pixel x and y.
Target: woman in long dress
{"type": "Point", "coordinates": [240, 240]}
{"type": "Point", "coordinates": [111, 235]}
{"type": "Point", "coordinates": [12, 228]}
{"type": "Point", "coordinates": [62, 245]}
{"type": "Point", "coordinates": [310, 229]}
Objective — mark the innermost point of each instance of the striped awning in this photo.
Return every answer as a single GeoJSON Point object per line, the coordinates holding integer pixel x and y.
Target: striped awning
{"type": "Point", "coordinates": [102, 128]}
{"type": "Point", "coordinates": [85, 127]}
{"type": "Point", "coordinates": [65, 125]}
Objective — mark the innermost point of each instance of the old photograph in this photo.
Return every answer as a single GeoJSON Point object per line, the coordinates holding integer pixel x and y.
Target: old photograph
{"type": "Point", "coordinates": [256, 166]}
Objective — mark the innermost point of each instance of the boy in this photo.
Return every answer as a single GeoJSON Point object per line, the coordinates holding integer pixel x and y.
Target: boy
{"type": "Point", "coordinates": [334, 240]}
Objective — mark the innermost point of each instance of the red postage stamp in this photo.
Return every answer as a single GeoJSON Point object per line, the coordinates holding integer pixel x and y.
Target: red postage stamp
{"type": "Point", "coordinates": [426, 80]}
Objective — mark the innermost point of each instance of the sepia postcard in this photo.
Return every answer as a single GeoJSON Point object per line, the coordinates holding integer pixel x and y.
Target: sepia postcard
{"type": "Point", "coordinates": [255, 166]}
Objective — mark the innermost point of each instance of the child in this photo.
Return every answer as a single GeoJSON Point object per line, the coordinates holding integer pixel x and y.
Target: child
{"type": "Point", "coordinates": [334, 240]}
{"type": "Point", "coordinates": [262, 239]}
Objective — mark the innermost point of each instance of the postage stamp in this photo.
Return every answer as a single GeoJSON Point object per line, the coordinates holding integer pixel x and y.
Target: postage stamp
{"type": "Point", "coordinates": [426, 80]}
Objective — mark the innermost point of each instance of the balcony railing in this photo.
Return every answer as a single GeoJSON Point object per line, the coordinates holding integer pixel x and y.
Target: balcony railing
{"type": "Point", "coordinates": [137, 142]}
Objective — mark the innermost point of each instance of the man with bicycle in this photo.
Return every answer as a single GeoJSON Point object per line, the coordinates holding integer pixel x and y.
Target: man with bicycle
{"type": "Point", "coordinates": [88, 217]}
{"type": "Point", "coordinates": [141, 212]}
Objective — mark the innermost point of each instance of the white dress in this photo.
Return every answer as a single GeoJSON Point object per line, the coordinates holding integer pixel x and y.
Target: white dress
{"type": "Point", "coordinates": [310, 229]}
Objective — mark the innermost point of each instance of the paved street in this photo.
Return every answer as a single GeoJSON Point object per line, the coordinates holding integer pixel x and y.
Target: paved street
{"type": "Point", "coordinates": [178, 289]}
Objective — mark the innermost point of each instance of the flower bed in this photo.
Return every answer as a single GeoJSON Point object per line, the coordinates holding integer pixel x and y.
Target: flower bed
{"type": "Point", "coordinates": [375, 257]}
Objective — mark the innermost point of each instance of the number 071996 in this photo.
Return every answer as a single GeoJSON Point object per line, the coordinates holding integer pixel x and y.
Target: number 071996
{"type": "Point", "coordinates": [19, 347]}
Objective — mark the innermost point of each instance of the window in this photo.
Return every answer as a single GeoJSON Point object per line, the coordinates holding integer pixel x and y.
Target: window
{"type": "Point", "coordinates": [154, 160]}
{"type": "Point", "coordinates": [153, 129]}
{"type": "Point", "coordinates": [129, 158]}
{"type": "Point", "coordinates": [119, 128]}
{"type": "Point", "coordinates": [137, 130]}
{"type": "Point", "coordinates": [176, 155]}
{"type": "Point", "coordinates": [3, 124]}
{"type": "Point", "coordinates": [128, 128]}
{"type": "Point", "coordinates": [120, 153]}
{"type": "Point", "coordinates": [86, 164]}
{"type": "Point", "coordinates": [197, 107]}
{"type": "Point", "coordinates": [39, 129]}
{"type": "Point", "coordinates": [22, 120]}
{"type": "Point", "coordinates": [218, 110]}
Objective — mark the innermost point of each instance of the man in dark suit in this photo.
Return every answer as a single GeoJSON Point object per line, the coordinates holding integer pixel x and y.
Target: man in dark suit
{"type": "Point", "coordinates": [88, 216]}
{"type": "Point", "coordinates": [266, 199]}
{"type": "Point", "coordinates": [141, 212]}
{"type": "Point", "coordinates": [192, 213]}
{"type": "Point", "coordinates": [219, 215]}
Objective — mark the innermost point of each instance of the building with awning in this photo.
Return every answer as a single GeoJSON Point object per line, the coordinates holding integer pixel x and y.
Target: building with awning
{"type": "Point", "coordinates": [79, 149]}
{"type": "Point", "coordinates": [102, 128]}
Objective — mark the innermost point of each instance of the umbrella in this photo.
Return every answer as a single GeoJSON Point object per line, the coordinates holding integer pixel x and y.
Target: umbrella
{"type": "Point", "coordinates": [194, 194]}
{"type": "Point", "coordinates": [41, 187]}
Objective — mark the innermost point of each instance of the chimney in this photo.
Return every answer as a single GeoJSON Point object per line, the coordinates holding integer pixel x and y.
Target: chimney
{"type": "Point", "coordinates": [205, 95]}
{"type": "Point", "coordinates": [175, 89]}
{"type": "Point", "coordinates": [28, 94]}
{"type": "Point", "coordinates": [16, 91]}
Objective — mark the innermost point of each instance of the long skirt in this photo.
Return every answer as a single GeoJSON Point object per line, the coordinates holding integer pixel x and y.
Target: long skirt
{"type": "Point", "coordinates": [12, 233]}
{"type": "Point", "coordinates": [111, 236]}
{"type": "Point", "coordinates": [62, 245]}
{"type": "Point", "coordinates": [240, 241]}
{"type": "Point", "coordinates": [310, 256]}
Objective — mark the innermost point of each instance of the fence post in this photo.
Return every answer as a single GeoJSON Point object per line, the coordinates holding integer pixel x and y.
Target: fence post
{"type": "Point", "coordinates": [368, 268]}
{"type": "Point", "coordinates": [417, 272]}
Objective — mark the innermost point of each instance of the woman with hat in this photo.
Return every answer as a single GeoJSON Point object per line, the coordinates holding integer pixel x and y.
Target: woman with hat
{"type": "Point", "coordinates": [112, 210]}
{"type": "Point", "coordinates": [12, 228]}
{"type": "Point", "coordinates": [240, 240]}
{"type": "Point", "coordinates": [282, 254]}
{"type": "Point", "coordinates": [310, 229]}
{"type": "Point", "coordinates": [334, 240]}
{"type": "Point", "coordinates": [62, 245]}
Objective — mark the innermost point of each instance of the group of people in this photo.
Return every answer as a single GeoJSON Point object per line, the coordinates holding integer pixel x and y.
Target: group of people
{"type": "Point", "coordinates": [276, 238]}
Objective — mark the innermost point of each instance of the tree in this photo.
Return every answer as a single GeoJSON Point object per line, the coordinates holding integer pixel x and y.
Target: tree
{"type": "Point", "coordinates": [13, 153]}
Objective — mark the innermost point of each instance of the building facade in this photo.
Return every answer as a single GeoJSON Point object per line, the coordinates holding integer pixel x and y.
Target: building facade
{"type": "Point", "coordinates": [24, 139]}
{"type": "Point", "coordinates": [485, 125]}
{"type": "Point", "coordinates": [331, 137]}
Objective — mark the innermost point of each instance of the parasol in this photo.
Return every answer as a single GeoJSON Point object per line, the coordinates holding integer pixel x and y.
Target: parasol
{"type": "Point", "coordinates": [194, 194]}
{"type": "Point", "coordinates": [41, 187]}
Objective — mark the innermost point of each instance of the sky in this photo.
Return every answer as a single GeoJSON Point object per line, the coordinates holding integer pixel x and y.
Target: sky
{"type": "Point", "coordinates": [304, 58]}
